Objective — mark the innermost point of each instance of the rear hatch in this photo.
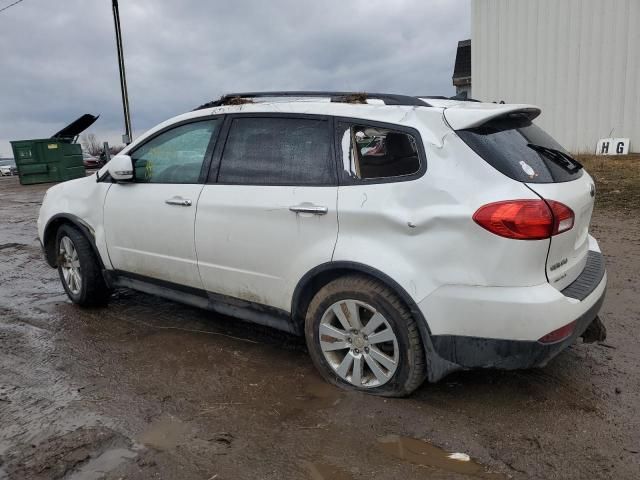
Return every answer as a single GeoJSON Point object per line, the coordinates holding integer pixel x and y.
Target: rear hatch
{"type": "Point", "coordinates": [521, 150]}
{"type": "Point", "coordinates": [568, 251]}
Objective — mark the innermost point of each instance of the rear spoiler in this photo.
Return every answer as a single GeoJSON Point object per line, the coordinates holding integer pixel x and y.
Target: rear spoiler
{"type": "Point", "coordinates": [470, 115]}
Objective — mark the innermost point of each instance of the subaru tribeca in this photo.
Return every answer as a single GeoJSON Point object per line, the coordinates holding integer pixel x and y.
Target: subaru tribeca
{"type": "Point", "coordinates": [404, 237]}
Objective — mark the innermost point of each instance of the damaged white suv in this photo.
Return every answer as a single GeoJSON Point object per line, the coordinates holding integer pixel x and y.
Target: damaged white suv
{"type": "Point", "coordinates": [405, 237]}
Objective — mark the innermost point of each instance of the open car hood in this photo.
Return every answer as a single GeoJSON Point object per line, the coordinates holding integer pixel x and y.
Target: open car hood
{"type": "Point", "coordinates": [76, 127]}
{"type": "Point", "coordinates": [470, 115]}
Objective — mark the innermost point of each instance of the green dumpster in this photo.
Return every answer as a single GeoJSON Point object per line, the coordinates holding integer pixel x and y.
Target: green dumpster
{"type": "Point", "coordinates": [54, 159]}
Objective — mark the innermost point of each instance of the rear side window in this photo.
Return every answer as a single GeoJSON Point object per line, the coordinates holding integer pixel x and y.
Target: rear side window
{"type": "Point", "coordinates": [278, 151]}
{"type": "Point", "coordinates": [373, 152]}
{"type": "Point", "coordinates": [503, 143]}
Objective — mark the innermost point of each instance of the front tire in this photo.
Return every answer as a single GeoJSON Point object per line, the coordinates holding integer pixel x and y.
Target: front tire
{"type": "Point", "coordinates": [79, 269]}
{"type": "Point", "coordinates": [361, 336]}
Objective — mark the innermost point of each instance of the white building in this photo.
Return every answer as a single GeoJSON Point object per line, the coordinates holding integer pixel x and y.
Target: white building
{"type": "Point", "coordinates": [577, 59]}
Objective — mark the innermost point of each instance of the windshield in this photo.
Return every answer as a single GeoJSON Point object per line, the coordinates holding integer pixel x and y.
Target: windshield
{"type": "Point", "coordinates": [506, 145]}
{"type": "Point", "coordinates": [8, 163]}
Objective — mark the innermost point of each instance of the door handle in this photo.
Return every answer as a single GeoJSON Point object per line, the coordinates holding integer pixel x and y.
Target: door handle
{"type": "Point", "coordinates": [309, 208]}
{"type": "Point", "coordinates": [182, 202]}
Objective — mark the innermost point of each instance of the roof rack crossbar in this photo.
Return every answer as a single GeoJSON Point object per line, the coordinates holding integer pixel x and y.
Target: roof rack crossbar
{"type": "Point", "coordinates": [387, 98]}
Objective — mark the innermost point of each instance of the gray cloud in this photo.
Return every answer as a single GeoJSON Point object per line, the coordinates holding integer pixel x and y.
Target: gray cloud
{"type": "Point", "coordinates": [57, 59]}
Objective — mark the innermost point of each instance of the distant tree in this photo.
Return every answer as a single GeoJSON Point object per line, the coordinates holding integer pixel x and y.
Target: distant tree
{"type": "Point", "coordinates": [115, 149]}
{"type": "Point", "coordinates": [91, 144]}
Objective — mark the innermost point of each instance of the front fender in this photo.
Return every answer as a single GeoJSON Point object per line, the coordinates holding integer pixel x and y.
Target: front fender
{"type": "Point", "coordinates": [80, 203]}
{"type": "Point", "coordinates": [49, 236]}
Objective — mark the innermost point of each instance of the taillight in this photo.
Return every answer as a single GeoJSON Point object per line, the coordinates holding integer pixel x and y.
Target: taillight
{"type": "Point", "coordinates": [525, 219]}
{"type": "Point", "coordinates": [562, 215]}
{"type": "Point", "coordinates": [561, 333]}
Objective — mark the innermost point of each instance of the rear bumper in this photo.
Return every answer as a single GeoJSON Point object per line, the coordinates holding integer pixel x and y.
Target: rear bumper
{"type": "Point", "coordinates": [499, 327]}
{"type": "Point", "coordinates": [475, 352]}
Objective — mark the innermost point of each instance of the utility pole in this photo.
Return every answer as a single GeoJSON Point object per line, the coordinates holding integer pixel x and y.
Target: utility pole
{"type": "Point", "coordinates": [127, 137]}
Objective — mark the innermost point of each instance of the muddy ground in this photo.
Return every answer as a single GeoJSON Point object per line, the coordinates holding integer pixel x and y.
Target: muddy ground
{"type": "Point", "coordinates": [149, 389]}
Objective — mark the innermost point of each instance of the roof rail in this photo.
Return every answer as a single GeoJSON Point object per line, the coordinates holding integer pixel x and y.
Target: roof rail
{"type": "Point", "coordinates": [341, 97]}
{"type": "Point", "coordinates": [460, 98]}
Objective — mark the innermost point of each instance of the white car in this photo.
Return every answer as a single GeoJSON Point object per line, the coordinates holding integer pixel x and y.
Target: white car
{"type": "Point", "coordinates": [462, 241]}
{"type": "Point", "coordinates": [7, 168]}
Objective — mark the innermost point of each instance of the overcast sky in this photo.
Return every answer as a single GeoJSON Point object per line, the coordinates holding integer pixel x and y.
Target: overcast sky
{"type": "Point", "coordinates": [58, 58]}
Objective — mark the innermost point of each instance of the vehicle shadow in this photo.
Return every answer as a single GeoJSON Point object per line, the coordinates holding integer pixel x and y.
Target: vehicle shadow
{"type": "Point", "coordinates": [565, 382]}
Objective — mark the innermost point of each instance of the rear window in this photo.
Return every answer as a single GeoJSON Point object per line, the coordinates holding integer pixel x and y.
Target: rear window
{"type": "Point", "coordinates": [503, 143]}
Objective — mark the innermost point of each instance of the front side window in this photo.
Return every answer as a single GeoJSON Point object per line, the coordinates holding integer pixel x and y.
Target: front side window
{"type": "Point", "coordinates": [175, 156]}
{"type": "Point", "coordinates": [277, 151]}
{"type": "Point", "coordinates": [371, 152]}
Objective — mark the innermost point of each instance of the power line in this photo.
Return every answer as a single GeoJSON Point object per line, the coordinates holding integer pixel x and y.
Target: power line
{"type": "Point", "coordinates": [9, 6]}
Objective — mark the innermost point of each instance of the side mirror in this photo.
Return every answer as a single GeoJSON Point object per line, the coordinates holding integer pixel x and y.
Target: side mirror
{"type": "Point", "coordinates": [120, 168]}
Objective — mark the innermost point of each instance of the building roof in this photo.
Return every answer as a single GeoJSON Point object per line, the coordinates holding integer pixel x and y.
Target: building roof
{"type": "Point", "coordinates": [462, 69]}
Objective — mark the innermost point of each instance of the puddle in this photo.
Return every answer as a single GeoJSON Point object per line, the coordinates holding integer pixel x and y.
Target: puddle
{"type": "Point", "coordinates": [82, 454]}
{"type": "Point", "coordinates": [307, 396]}
{"type": "Point", "coordinates": [166, 433]}
{"type": "Point", "coordinates": [318, 394]}
{"type": "Point", "coordinates": [96, 468]}
{"type": "Point", "coordinates": [424, 454]}
{"type": "Point", "coordinates": [324, 471]}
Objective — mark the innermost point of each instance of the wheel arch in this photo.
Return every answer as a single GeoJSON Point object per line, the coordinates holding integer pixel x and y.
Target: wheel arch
{"type": "Point", "coordinates": [321, 275]}
{"type": "Point", "coordinates": [51, 229]}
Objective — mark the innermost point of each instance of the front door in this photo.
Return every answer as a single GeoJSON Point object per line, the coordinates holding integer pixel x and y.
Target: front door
{"type": "Point", "coordinates": [272, 214]}
{"type": "Point", "coordinates": [149, 223]}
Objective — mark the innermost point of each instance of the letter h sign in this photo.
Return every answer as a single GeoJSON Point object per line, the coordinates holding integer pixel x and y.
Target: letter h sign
{"type": "Point", "coordinates": [612, 146]}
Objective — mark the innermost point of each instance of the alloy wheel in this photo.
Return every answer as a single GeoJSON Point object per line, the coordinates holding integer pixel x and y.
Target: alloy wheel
{"type": "Point", "coordinates": [359, 343]}
{"type": "Point", "coordinates": [70, 265]}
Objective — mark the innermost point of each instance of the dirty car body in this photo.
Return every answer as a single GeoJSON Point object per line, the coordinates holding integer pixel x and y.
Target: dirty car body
{"type": "Point", "coordinates": [468, 222]}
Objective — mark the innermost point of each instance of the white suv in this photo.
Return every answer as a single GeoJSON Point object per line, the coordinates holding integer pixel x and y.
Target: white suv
{"type": "Point", "coordinates": [405, 237]}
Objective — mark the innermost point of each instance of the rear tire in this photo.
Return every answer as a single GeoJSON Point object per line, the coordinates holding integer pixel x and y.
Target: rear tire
{"type": "Point", "coordinates": [79, 269]}
{"type": "Point", "coordinates": [362, 337]}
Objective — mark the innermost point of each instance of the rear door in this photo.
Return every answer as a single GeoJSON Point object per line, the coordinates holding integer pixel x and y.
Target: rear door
{"type": "Point", "coordinates": [149, 223]}
{"type": "Point", "coordinates": [268, 215]}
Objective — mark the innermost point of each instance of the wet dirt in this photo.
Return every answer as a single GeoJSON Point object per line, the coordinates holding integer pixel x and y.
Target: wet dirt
{"type": "Point", "coordinates": [165, 433]}
{"type": "Point", "coordinates": [424, 454]}
{"type": "Point", "coordinates": [149, 389]}
{"type": "Point", "coordinates": [323, 471]}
